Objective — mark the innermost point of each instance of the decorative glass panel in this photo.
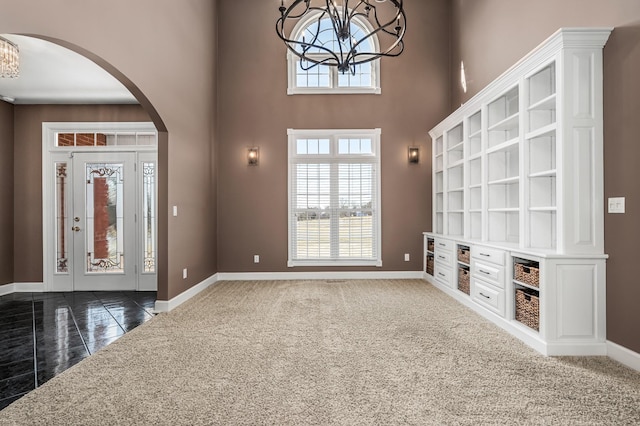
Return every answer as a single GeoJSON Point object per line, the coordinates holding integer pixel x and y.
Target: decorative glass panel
{"type": "Point", "coordinates": [149, 216]}
{"type": "Point", "coordinates": [105, 218]}
{"type": "Point", "coordinates": [61, 190]}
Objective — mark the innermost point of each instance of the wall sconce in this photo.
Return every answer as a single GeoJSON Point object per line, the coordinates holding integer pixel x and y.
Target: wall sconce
{"type": "Point", "coordinates": [253, 155]}
{"type": "Point", "coordinates": [414, 155]}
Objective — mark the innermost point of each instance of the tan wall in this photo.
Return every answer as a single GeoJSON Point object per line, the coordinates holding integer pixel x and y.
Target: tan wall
{"type": "Point", "coordinates": [254, 109]}
{"type": "Point", "coordinates": [6, 193]}
{"type": "Point", "coordinates": [491, 35]}
{"type": "Point", "coordinates": [166, 48]}
{"type": "Point", "coordinates": [28, 173]}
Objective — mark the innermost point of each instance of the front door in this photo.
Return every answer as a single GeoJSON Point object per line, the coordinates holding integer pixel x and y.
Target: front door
{"type": "Point", "coordinates": [104, 233]}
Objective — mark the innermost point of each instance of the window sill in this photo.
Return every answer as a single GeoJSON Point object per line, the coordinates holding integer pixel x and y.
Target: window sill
{"type": "Point", "coordinates": [335, 91]}
{"type": "Point", "coordinates": [341, 263]}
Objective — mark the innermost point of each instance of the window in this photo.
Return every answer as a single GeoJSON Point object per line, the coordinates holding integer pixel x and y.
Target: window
{"type": "Point", "coordinates": [334, 198]}
{"type": "Point", "coordinates": [326, 79]}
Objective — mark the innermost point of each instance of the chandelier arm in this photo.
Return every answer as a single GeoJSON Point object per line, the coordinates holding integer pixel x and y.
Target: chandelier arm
{"type": "Point", "coordinates": [325, 61]}
{"type": "Point", "coordinates": [396, 19]}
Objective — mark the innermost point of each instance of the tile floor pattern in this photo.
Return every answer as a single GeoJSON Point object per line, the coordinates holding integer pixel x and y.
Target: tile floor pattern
{"type": "Point", "coordinates": [43, 334]}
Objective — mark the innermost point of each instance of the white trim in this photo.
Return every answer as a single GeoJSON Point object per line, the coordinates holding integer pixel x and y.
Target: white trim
{"type": "Point", "coordinates": [623, 355]}
{"type": "Point", "coordinates": [333, 275]}
{"type": "Point", "coordinates": [166, 306]}
{"type": "Point", "coordinates": [21, 288]}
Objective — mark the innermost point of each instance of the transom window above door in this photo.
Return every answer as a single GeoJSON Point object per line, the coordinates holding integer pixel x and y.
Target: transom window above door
{"type": "Point", "coordinates": [88, 139]}
{"type": "Point", "coordinates": [304, 77]}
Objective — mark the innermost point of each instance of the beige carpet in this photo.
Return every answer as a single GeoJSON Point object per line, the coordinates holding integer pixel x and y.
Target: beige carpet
{"type": "Point", "coordinates": [381, 352]}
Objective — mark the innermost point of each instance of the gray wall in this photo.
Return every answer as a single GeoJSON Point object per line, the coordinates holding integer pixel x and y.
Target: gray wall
{"type": "Point", "coordinates": [254, 109]}
{"type": "Point", "coordinates": [6, 193]}
{"type": "Point", "coordinates": [491, 35]}
{"type": "Point", "coordinates": [164, 50]}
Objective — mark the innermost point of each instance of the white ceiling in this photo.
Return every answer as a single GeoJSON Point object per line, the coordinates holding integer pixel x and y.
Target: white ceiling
{"type": "Point", "coordinates": [51, 74]}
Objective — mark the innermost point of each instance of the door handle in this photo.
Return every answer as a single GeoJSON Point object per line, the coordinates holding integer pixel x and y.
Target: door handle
{"type": "Point", "coordinates": [75, 228]}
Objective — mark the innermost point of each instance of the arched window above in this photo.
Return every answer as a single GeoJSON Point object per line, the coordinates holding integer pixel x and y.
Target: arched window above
{"type": "Point", "coordinates": [308, 77]}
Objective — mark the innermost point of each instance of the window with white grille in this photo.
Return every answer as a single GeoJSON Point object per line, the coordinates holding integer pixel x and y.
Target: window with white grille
{"type": "Point", "coordinates": [306, 78]}
{"type": "Point", "coordinates": [334, 197]}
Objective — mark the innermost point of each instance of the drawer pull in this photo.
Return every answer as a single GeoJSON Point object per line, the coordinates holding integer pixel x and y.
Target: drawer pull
{"type": "Point", "coordinates": [486, 297]}
{"type": "Point", "coordinates": [484, 272]}
{"type": "Point", "coordinates": [441, 274]}
{"type": "Point", "coordinates": [485, 255]}
{"type": "Point", "coordinates": [442, 244]}
{"type": "Point", "coordinates": [441, 257]}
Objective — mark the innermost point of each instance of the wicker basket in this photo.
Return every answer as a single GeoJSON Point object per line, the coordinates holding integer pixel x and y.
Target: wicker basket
{"type": "Point", "coordinates": [528, 273]}
{"type": "Point", "coordinates": [430, 265]}
{"type": "Point", "coordinates": [464, 254]}
{"type": "Point", "coordinates": [463, 280]}
{"type": "Point", "coordinates": [528, 308]}
{"type": "Point", "coordinates": [430, 245]}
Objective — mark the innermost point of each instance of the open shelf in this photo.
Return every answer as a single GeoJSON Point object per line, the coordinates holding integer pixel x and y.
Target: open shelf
{"type": "Point", "coordinates": [475, 134]}
{"type": "Point", "coordinates": [455, 178]}
{"type": "Point", "coordinates": [438, 146]}
{"type": "Point", "coordinates": [475, 172]}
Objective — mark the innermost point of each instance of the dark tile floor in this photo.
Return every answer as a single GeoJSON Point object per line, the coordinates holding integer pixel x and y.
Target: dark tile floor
{"type": "Point", "coordinates": [43, 334]}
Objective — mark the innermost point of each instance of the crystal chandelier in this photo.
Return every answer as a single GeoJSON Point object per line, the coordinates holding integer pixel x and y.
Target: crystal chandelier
{"type": "Point", "coordinates": [361, 31]}
{"type": "Point", "coordinates": [9, 61]}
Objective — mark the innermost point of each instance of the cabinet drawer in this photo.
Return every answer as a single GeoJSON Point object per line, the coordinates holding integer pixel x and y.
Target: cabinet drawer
{"type": "Point", "coordinates": [443, 258]}
{"type": "Point", "coordinates": [488, 272]}
{"type": "Point", "coordinates": [444, 245]}
{"type": "Point", "coordinates": [488, 296]}
{"type": "Point", "coordinates": [488, 254]}
{"type": "Point", "coordinates": [444, 275]}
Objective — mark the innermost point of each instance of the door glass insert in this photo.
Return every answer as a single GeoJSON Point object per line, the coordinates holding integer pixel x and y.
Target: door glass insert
{"type": "Point", "coordinates": [149, 216]}
{"type": "Point", "coordinates": [105, 218]}
{"type": "Point", "coordinates": [61, 189]}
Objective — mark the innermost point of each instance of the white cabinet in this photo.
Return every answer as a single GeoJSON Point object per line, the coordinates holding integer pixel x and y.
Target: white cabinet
{"type": "Point", "coordinates": [518, 177]}
{"type": "Point", "coordinates": [488, 278]}
{"type": "Point", "coordinates": [443, 255]}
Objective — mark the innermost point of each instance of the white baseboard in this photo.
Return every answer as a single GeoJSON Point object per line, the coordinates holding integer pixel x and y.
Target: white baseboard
{"type": "Point", "coordinates": [333, 275]}
{"type": "Point", "coordinates": [166, 306]}
{"type": "Point", "coordinates": [21, 288]}
{"type": "Point", "coordinates": [623, 355]}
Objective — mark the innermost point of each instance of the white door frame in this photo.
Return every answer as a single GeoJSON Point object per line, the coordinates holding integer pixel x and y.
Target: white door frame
{"type": "Point", "coordinates": [51, 154]}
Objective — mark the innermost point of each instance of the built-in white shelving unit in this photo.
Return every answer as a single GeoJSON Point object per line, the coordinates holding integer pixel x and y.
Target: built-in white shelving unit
{"type": "Point", "coordinates": [518, 179]}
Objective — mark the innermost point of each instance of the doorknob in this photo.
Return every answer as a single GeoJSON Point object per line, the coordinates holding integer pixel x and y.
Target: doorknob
{"type": "Point", "coordinates": [75, 228]}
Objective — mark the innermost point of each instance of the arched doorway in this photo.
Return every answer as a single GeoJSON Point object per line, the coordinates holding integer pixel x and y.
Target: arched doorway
{"type": "Point", "coordinates": [130, 88]}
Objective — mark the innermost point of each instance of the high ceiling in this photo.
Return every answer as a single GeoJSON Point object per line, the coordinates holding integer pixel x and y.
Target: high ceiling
{"type": "Point", "coordinates": [51, 74]}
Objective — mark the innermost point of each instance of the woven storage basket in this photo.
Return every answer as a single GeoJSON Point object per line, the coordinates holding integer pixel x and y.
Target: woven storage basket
{"type": "Point", "coordinates": [430, 265]}
{"type": "Point", "coordinates": [430, 245]}
{"type": "Point", "coordinates": [528, 308]}
{"type": "Point", "coordinates": [463, 280]}
{"type": "Point", "coordinates": [527, 273]}
{"type": "Point", "coordinates": [464, 254]}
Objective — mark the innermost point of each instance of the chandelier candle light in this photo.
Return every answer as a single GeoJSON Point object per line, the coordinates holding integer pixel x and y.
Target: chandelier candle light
{"type": "Point", "coordinates": [383, 20]}
{"type": "Point", "coordinates": [9, 60]}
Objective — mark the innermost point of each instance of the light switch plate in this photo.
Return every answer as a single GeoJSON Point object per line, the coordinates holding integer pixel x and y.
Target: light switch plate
{"type": "Point", "coordinates": [616, 205]}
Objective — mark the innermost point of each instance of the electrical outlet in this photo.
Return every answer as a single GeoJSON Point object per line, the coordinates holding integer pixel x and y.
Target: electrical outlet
{"type": "Point", "coordinates": [616, 205]}
{"type": "Point", "coordinates": [184, 274]}
{"type": "Point", "coordinates": [407, 257]}
{"type": "Point", "coordinates": [256, 258]}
